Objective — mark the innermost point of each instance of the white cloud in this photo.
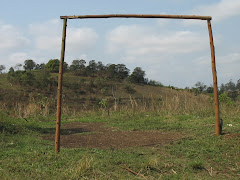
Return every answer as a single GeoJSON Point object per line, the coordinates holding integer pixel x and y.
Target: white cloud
{"type": "Point", "coordinates": [51, 27]}
{"type": "Point", "coordinates": [230, 58]}
{"type": "Point", "coordinates": [222, 10]}
{"type": "Point", "coordinates": [138, 41]}
{"type": "Point", "coordinates": [163, 22]}
{"type": "Point", "coordinates": [45, 42]}
{"type": "Point", "coordinates": [11, 39]}
{"type": "Point", "coordinates": [48, 35]}
{"type": "Point", "coordinates": [18, 57]}
{"type": "Point", "coordinates": [167, 56]}
{"type": "Point", "coordinates": [203, 61]}
{"type": "Point", "coordinates": [48, 43]}
{"type": "Point", "coordinates": [227, 66]}
{"type": "Point", "coordinates": [172, 57]}
{"type": "Point", "coordinates": [80, 39]}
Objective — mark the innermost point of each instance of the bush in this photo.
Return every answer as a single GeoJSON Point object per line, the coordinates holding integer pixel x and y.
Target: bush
{"type": "Point", "coordinates": [21, 77]}
{"type": "Point", "coordinates": [223, 98]}
{"type": "Point", "coordinates": [155, 83]}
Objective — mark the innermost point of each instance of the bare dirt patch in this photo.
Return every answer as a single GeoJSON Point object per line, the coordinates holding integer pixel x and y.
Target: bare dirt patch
{"type": "Point", "coordinates": [232, 136]}
{"type": "Point", "coordinates": [99, 135]}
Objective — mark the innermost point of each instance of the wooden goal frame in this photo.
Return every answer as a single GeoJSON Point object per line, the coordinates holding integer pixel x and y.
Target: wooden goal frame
{"type": "Point", "coordinates": [60, 76]}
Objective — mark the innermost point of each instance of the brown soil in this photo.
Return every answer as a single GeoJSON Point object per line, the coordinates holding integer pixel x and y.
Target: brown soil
{"type": "Point", "coordinates": [98, 135]}
{"type": "Point", "coordinates": [232, 136]}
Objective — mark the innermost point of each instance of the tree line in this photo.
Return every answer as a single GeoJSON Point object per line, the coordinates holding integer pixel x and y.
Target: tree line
{"type": "Point", "coordinates": [229, 89]}
{"type": "Point", "coordinates": [78, 67]}
{"type": "Point", "coordinates": [119, 72]}
{"type": "Point", "coordinates": [229, 86]}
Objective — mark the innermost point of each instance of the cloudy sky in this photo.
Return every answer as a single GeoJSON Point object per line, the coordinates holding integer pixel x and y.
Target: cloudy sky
{"type": "Point", "coordinates": [174, 52]}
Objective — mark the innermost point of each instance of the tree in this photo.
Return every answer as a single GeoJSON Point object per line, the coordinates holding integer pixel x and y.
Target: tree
{"type": "Point", "coordinates": [82, 63]}
{"type": "Point", "coordinates": [222, 89]}
{"type": "Point", "coordinates": [230, 86]}
{"type": "Point", "coordinates": [111, 71]}
{"type": "Point", "coordinates": [39, 66]}
{"type": "Point", "coordinates": [18, 66]}
{"type": "Point", "coordinates": [137, 75]}
{"type": "Point", "coordinates": [101, 68]}
{"type": "Point", "coordinates": [200, 86]}
{"type": "Point", "coordinates": [29, 64]}
{"type": "Point", "coordinates": [122, 71]}
{"type": "Point", "coordinates": [11, 74]}
{"type": "Point", "coordinates": [53, 65]}
{"type": "Point", "coordinates": [92, 66]}
{"type": "Point", "coordinates": [11, 70]}
{"type": "Point", "coordinates": [2, 67]}
{"type": "Point", "coordinates": [77, 65]}
{"type": "Point", "coordinates": [65, 66]}
{"type": "Point", "coordinates": [119, 71]}
{"type": "Point", "coordinates": [210, 89]}
{"type": "Point", "coordinates": [238, 85]}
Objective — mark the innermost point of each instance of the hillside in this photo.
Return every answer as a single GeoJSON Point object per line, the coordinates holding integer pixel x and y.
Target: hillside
{"type": "Point", "coordinates": [86, 93]}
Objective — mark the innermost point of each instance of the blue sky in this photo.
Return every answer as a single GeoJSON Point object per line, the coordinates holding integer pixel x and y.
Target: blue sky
{"type": "Point", "coordinates": [174, 52]}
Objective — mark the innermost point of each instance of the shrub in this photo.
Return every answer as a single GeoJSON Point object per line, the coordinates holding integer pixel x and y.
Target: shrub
{"type": "Point", "coordinates": [22, 77]}
{"type": "Point", "coordinates": [223, 98]}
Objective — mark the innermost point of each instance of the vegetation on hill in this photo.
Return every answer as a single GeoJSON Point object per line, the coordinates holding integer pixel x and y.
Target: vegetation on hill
{"type": "Point", "coordinates": [87, 86]}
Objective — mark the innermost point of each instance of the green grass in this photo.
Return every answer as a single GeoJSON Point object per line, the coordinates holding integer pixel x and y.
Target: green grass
{"type": "Point", "coordinates": [200, 155]}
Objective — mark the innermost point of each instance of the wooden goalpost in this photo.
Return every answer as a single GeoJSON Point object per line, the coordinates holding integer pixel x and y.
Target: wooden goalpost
{"type": "Point", "coordinates": [60, 76]}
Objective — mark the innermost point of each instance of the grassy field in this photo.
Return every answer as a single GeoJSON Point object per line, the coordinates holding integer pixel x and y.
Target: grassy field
{"type": "Point", "coordinates": [199, 155]}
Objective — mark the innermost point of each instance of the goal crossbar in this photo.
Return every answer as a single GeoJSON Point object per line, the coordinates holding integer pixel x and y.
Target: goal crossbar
{"type": "Point", "coordinates": [138, 16]}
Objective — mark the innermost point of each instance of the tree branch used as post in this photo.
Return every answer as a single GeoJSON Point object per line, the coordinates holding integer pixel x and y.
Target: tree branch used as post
{"type": "Point", "coordinates": [138, 16]}
{"type": "Point", "coordinates": [216, 101]}
{"type": "Point", "coordinates": [59, 90]}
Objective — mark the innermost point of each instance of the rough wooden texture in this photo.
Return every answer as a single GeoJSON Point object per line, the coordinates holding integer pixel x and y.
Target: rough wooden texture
{"type": "Point", "coordinates": [214, 72]}
{"type": "Point", "coordinates": [138, 16]}
{"type": "Point", "coordinates": [59, 91]}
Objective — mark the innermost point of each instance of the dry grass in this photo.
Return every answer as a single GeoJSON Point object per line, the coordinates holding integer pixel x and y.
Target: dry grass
{"type": "Point", "coordinates": [147, 99]}
{"type": "Point", "coordinates": [174, 102]}
{"type": "Point", "coordinates": [33, 108]}
{"type": "Point", "coordinates": [181, 102]}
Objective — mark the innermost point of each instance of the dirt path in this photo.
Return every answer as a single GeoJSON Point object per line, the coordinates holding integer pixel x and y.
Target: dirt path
{"type": "Point", "coordinates": [98, 135]}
